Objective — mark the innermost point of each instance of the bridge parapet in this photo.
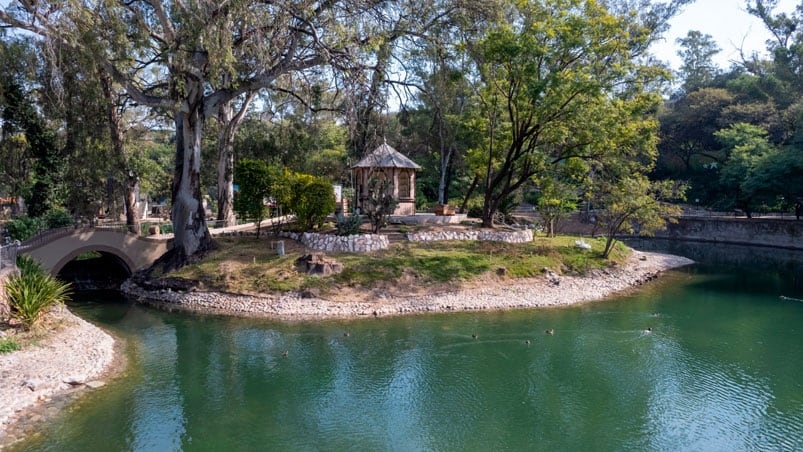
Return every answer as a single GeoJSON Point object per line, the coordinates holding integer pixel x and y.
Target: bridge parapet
{"type": "Point", "coordinates": [55, 248]}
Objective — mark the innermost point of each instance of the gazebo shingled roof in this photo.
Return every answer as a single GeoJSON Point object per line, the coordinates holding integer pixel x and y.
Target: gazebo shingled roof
{"type": "Point", "coordinates": [385, 157]}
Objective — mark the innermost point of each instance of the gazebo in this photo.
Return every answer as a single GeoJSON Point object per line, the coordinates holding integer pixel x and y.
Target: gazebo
{"type": "Point", "coordinates": [386, 163]}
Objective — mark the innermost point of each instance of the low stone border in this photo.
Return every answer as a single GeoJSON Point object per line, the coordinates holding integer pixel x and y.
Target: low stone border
{"type": "Point", "coordinates": [484, 235]}
{"type": "Point", "coordinates": [359, 243]}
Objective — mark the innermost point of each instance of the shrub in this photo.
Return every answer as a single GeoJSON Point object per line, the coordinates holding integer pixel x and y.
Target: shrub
{"type": "Point", "coordinates": [24, 228]}
{"type": "Point", "coordinates": [379, 204]}
{"type": "Point", "coordinates": [312, 200]}
{"type": "Point", "coordinates": [32, 292]}
{"type": "Point", "coordinates": [57, 218]}
{"type": "Point", "coordinates": [348, 225]}
{"type": "Point", "coordinates": [8, 346]}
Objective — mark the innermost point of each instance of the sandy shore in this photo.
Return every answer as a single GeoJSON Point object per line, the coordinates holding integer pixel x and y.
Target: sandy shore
{"type": "Point", "coordinates": [78, 354]}
{"type": "Point", "coordinates": [72, 358]}
{"type": "Point", "coordinates": [550, 290]}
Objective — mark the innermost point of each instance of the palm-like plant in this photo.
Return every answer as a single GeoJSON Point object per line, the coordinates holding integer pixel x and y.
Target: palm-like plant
{"type": "Point", "coordinates": [33, 291]}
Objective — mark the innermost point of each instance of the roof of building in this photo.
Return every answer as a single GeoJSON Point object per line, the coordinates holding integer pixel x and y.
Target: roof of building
{"type": "Point", "coordinates": [386, 157]}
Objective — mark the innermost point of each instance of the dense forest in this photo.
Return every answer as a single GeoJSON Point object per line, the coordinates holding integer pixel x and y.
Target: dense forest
{"type": "Point", "coordinates": [555, 102]}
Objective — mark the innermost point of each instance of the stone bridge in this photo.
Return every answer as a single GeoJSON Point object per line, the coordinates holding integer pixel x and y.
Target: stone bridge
{"type": "Point", "coordinates": [54, 249]}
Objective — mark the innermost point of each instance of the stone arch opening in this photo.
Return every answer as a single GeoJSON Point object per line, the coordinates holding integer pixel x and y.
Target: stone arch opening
{"type": "Point", "coordinates": [94, 268]}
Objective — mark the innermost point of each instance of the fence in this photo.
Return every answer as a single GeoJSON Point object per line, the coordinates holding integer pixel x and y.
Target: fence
{"type": "Point", "coordinates": [8, 256]}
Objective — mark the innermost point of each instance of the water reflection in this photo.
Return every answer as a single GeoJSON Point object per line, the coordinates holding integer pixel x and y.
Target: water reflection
{"type": "Point", "coordinates": [157, 417]}
{"type": "Point", "coordinates": [720, 371]}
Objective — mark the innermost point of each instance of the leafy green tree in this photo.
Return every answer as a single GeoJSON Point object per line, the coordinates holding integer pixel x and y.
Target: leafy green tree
{"type": "Point", "coordinates": [746, 146]}
{"type": "Point", "coordinates": [255, 179]}
{"type": "Point", "coordinates": [559, 192]}
{"type": "Point", "coordinates": [17, 68]}
{"type": "Point", "coordinates": [196, 57]}
{"type": "Point", "coordinates": [442, 73]}
{"type": "Point", "coordinates": [698, 69]}
{"type": "Point", "coordinates": [634, 204]}
{"type": "Point", "coordinates": [559, 80]}
{"type": "Point", "coordinates": [35, 156]}
{"type": "Point", "coordinates": [688, 127]}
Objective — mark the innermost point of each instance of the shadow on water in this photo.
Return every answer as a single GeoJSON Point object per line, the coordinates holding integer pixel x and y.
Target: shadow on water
{"type": "Point", "coordinates": [754, 269]}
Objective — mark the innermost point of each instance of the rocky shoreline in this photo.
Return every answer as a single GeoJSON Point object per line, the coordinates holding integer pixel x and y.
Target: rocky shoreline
{"type": "Point", "coordinates": [72, 358]}
{"type": "Point", "coordinates": [551, 290]}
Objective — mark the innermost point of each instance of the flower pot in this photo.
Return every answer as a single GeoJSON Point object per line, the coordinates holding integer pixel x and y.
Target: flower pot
{"type": "Point", "coordinates": [444, 210]}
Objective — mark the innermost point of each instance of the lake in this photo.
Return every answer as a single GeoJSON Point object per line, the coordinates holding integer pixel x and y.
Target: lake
{"type": "Point", "coordinates": [720, 370]}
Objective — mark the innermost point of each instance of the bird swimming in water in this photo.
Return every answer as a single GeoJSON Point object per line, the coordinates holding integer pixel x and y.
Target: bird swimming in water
{"type": "Point", "coordinates": [346, 334]}
{"type": "Point", "coordinates": [550, 331]}
{"type": "Point", "coordinates": [284, 353]}
{"type": "Point", "coordinates": [474, 335]}
{"type": "Point", "coordinates": [527, 342]}
{"type": "Point", "coordinates": [648, 331]}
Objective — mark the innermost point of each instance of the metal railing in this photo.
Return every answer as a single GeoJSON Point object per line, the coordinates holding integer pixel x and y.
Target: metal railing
{"type": "Point", "coordinates": [8, 255]}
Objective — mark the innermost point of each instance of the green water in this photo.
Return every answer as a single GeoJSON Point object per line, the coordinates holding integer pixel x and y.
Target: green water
{"type": "Point", "coordinates": [722, 370]}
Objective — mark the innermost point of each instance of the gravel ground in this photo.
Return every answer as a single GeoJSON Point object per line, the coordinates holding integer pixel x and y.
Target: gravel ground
{"type": "Point", "coordinates": [550, 290]}
{"type": "Point", "coordinates": [71, 358]}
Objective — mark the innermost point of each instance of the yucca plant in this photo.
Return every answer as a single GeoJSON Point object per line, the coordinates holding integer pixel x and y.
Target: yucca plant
{"type": "Point", "coordinates": [28, 265]}
{"type": "Point", "coordinates": [32, 292]}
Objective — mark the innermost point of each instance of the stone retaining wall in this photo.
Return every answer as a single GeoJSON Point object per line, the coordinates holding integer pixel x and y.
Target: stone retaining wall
{"type": "Point", "coordinates": [360, 243]}
{"type": "Point", "coordinates": [365, 243]}
{"type": "Point", "coordinates": [484, 235]}
{"type": "Point", "coordinates": [780, 233]}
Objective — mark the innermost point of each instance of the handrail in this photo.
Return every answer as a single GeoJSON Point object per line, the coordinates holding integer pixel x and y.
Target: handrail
{"type": "Point", "coordinates": [50, 235]}
{"type": "Point", "coordinates": [8, 256]}
{"type": "Point", "coordinates": [46, 237]}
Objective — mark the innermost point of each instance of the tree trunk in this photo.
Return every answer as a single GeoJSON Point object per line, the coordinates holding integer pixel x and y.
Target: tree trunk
{"type": "Point", "coordinates": [131, 211]}
{"type": "Point", "coordinates": [487, 213]}
{"type": "Point", "coordinates": [225, 169]}
{"type": "Point", "coordinates": [118, 144]}
{"type": "Point", "coordinates": [470, 191]}
{"type": "Point", "coordinates": [608, 246]}
{"type": "Point", "coordinates": [225, 176]}
{"type": "Point", "coordinates": [191, 235]}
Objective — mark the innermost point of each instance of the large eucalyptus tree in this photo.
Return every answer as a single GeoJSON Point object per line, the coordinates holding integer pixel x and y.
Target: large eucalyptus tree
{"type": "Point", "coordinates": [191, 57]}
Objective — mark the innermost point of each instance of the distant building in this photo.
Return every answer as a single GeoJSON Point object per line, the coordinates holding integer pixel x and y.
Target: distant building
{"type": "Point", "coordinates": [386, 163]}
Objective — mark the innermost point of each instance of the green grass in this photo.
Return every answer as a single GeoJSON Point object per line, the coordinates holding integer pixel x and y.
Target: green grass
{"type": "Point", "coordinates": [8, 346]}
{"type": "Point", "coordinates": [248, 265]}
{"type": "Point", "coordinates": [88, 255]}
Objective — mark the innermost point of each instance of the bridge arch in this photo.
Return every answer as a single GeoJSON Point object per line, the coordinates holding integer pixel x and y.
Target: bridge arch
{"type": "Point", "coordinates": [104, 249]}
{"type": "Point", "coordinates": [55, 249]}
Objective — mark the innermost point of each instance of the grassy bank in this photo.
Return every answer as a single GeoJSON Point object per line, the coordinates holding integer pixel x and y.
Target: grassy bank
{"type": "Point", "coordinates": [250, 265]}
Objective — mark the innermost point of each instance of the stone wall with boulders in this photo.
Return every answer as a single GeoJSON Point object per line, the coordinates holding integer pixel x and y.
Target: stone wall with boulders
{"type": "Point", "coordinates": [359, 243]}
{"type": "Point", "coordinates": [523, 236]}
